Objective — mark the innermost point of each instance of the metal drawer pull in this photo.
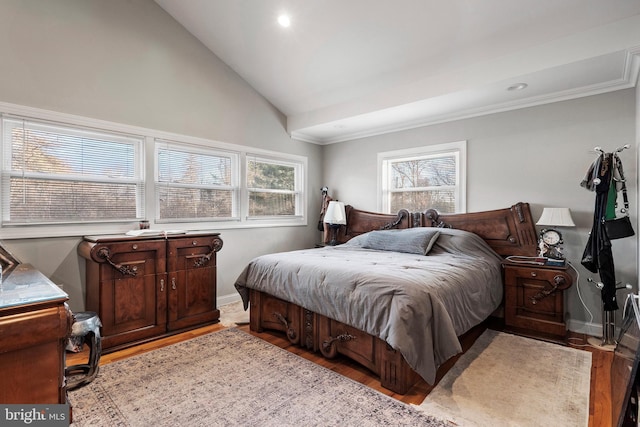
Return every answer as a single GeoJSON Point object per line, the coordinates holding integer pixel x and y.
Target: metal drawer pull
{"type": "Point", "coordinates": [291, 333]}
{"type": "Point", "coordinates": [203, 259]}
{"type": "Point", "coordinates": [173, 283]}
{"type": "Point", "coordinates": [124, 269]}
{"type": "Point", "coordinates": [215, 247]}
{"type": "Point", "coordinates": [558, 281]}
{"type": "Point", "coordinates": [329, 350]}
{"type": "Point", "coordinates": [534, 274]}
{"type": "Point", "coordinates": [161, 285]}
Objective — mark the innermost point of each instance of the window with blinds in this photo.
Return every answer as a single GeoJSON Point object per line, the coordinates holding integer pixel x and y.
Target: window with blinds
{"type": "Point", "coordinates": [425, 178]}
{"type": "Point", "coordinates": [65, 175]}
{"type": "Point", "coordinates": [195, 184]}
{"type": "Point", "coordinates": [55, 173]}
{"type": "Point", "coordinates": [273, 187]}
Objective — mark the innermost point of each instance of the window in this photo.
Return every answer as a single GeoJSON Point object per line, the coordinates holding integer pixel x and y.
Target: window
{"type": "Point", "coordinates": [195, 184]}
{"type": "Point", "coordinates": [58, 173]}
{"type": "Point", "coordinates": [431, 177]}
{"type": "Point", "coordinates": [67, 175]}
{"type": "Point", "coordinates": [273, 187]}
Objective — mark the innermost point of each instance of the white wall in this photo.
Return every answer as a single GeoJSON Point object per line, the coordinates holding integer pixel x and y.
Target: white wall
{"type": "Point", "coordinates": [127, 61]}
{"type": "Point", "coordinates": [537, 155]}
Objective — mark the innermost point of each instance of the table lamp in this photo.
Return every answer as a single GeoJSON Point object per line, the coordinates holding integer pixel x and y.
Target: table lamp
{"type": "Point", "coordinates": [335, 216]}
{"type": "Point", "coordinates": [551, 239]}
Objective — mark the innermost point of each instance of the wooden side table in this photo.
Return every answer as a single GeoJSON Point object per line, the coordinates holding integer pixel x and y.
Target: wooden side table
{"type": "Point", "coordinates": [534, 299]}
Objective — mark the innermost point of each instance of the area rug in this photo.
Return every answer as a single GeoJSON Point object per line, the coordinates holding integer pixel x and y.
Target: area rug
{"type": "Point", "coordinates": [233, 314]}
{"type": "Point", "coordinates": [231, 378]}
{"type": "Point", "coordinates": [508, 380]}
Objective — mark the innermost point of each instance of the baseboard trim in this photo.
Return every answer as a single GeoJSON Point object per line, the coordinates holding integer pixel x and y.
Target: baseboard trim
{"type": "Point", "coordinates": [228, 299]}
{"type": "Point", "coordinates": [587, 328]}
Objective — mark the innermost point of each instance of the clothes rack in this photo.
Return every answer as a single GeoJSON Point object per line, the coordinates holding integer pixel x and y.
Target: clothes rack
{"type": "Point", "coordinates": [598, 257]}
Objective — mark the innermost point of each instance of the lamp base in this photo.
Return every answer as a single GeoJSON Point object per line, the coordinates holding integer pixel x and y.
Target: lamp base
{"type": "Point", "coordinates": [334, 234]}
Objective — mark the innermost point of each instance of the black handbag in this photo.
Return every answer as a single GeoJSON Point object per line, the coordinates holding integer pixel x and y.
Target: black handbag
{"type": "Point", "coordinates": [617, 228]}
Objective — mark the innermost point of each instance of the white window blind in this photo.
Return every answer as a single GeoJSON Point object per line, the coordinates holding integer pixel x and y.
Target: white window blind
{"type": "Point", "coordinates": [273, 187]}
{"type": "Point", "coordinates": [58, 173]}
{"type": "Point", "coordinates": [195, 184]}
{"type": "Point", "coordinates": [426, 178]}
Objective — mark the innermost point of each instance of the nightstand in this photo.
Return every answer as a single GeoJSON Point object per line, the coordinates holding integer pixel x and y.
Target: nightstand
{"type": "Point", "coordinates": [534, 299]}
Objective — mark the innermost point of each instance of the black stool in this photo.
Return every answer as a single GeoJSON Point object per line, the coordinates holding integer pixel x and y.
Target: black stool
{"type": "Point", "coordinates": [85, 328]}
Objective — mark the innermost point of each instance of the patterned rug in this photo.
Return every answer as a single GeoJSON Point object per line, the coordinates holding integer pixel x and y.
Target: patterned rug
{"type": "Point", "coordinates": [231, 378]}
{"type": "Point", "coordinates": [233, 314]}
{"type": "Point", "coordinates": [508, 380]}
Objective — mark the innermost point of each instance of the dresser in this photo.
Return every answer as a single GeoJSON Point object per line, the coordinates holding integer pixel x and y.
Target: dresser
{"type": "Point", "coordinates": [146, 287]}
{"type": "Point", "coordinates": [35, 322]}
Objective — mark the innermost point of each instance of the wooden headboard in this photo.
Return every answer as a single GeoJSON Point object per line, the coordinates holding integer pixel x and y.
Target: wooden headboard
{"type": "Point", "coordinates": [509, 231]}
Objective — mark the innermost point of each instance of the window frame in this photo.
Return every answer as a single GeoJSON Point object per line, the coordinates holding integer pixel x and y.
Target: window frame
{"type": "Point", "coordinates": [148, 176]}
{"type": "Point", "coordinates": [385, 159]}
{"type": "Point", "coordinates": [234, 185]}
{"type": "Point", "coordinates": [136, 142]}
{"type": "Point", "coordinates": [300, 166]}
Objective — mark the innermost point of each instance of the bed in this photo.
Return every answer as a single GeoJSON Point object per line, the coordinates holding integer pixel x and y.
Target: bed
{"type": "Point", "coordinates": [398, 291]}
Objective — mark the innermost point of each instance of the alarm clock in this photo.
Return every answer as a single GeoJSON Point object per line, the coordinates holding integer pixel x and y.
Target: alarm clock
{"type": "Point", "coordinates": [549, 244]}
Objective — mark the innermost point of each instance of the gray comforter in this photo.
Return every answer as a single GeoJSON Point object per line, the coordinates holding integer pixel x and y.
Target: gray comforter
{"type": "Point", "coordinates": [418, 304]}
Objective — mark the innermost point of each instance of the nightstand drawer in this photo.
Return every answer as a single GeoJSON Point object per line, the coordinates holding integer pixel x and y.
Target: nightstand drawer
{"type": "Point", "coordinates": [519, 275]}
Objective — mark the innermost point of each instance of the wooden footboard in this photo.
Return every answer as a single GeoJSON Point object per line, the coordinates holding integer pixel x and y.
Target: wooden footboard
{"type": "Point", "coordinates": [319, 333]}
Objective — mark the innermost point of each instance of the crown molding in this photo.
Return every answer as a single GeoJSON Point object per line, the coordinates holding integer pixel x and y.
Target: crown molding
{"type": "Point", "coordinates": [628, 79]}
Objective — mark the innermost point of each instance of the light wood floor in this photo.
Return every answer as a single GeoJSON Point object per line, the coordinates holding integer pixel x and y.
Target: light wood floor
{"type": "Point", "coordinates": [600, 397]}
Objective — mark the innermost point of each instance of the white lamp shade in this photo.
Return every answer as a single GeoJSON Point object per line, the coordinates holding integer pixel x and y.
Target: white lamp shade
{"type": "Point", "coordinates": [560, 217]}
{"type": "Point", "coordinates": [335, 213]}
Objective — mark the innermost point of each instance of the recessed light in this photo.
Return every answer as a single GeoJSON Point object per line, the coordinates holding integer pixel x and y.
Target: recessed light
{"type": "Point", "coordinates": [518, 86]}
{"type": "Point", "coordinates": [284, 20]}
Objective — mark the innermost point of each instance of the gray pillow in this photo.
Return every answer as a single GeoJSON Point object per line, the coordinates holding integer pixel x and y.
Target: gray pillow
{"type": "Point", "coordinates": [410, 240]}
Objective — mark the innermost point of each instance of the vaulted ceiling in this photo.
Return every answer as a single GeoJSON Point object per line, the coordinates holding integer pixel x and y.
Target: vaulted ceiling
{"type": "Point", "coordinates": [347, 69]}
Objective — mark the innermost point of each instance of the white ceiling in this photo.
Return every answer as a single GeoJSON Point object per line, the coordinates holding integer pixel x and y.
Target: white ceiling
{"type": "Point", "coordinates": [346, 69]}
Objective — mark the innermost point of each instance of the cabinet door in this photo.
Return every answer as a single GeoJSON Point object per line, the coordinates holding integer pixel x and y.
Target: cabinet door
{"type": "Point", "coordinates": [132, 300]}
{"type": "Point", "coordinates": [192, 280]}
